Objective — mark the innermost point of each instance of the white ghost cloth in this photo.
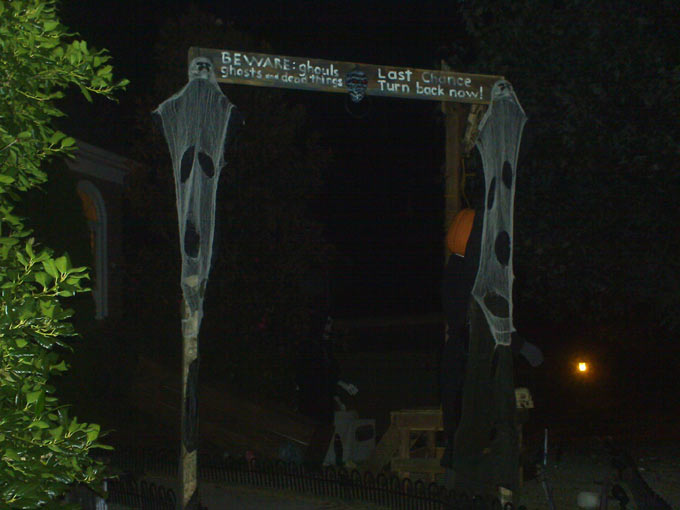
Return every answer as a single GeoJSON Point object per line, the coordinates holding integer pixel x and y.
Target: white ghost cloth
{"type": "Point", "coordinates": [499, 139]}
{"type": "Point", "coordinates": [195, 122]}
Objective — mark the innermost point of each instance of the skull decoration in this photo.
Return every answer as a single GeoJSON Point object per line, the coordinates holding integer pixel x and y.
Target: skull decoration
{"type": "Point", "coordinates": [502, 89]}
{"type": "Point", "coordinates": [195, 123]}
{"type": "Point", "coordinates": [357, 83]}
{"type": "Point", "coordinates": [202, 68]}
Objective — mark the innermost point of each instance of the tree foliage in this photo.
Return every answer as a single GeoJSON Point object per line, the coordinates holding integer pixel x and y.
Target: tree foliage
{"type": "Point", "coordinates": [600, 83]}
{"type": "Point", "coordinates": [266, 244]}
{"type": "Point", "coordinates": [43, 449]}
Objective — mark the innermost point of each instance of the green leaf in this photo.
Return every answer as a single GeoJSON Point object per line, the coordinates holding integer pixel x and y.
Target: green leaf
{"type": "Point", "coordinates": [61, 367]}
{"type": "Point", "coordinates": [105, 70]}
{"type": "Point", "coordinates": [57, 432]}
{"type": "Point", "coordinates": [47, 42]}
{"type": "Point", "coordinates": [33, 396]}
{"type": "Point", "coordinates": [85, 93]}
{"type": "Point", "coordinates": [102, 446]}
{"type": "Point", "coordinates": [62, 264]}
{"type": "Point", "coordinates": [73, 426]}
{"type": "Point", "coordinates": [50, 268]}
{"type": "Point", "coordinates": [21, 258]}
{"type": "Point", "coordinates": [11, 454]}
{"type": "Point", "coordinates": [68, 141]}
{"type": "Point", "coordinates": [56, 137]}
{"type": "Point", "coordinates": [48, 308]}
{"type": "Point", "coordinates": [93, 433]}
{"type": "Point", "coordinates": [40, 403]}
{"type": "Point", "coordinates": [39, 425]}
{"type": "Point", "coordinates": [42, 278]}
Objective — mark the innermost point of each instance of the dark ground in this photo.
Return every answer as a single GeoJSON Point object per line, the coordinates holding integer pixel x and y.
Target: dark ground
{"type": "Point", "coordinates": [631, 384]}
{"type": "Point", "coordinates": [629, 394]}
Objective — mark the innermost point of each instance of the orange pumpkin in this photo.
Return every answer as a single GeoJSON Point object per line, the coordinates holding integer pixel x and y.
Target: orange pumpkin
{"type": "Point", "coordinates": [459, 231]}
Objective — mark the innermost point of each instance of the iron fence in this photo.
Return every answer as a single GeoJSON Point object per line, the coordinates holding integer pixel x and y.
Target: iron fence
{"type": "Point", "coordinates": [125, 492]}
{"type": "Point", "coordinates": [350, 485]}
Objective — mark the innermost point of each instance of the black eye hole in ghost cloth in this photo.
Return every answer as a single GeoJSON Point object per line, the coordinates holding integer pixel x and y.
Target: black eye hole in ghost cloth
{"type": "Point", "coordinates": [502, 248]}
{"type": "Point", "coordinates": [206, 164]}
{"type": "Point", "coordinates": [192, 240]}
{"type": "Point", "coordinates": [186, 164]}
{"type": "Point", "coordinates": [506, 176]}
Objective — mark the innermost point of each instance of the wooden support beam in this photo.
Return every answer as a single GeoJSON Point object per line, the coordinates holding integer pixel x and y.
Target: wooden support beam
{"type": "Point", "coordinates": [455, 119]}
{"type": "Point", "coordinates": [418, 419]}
{"type": "Point", "coordinates": [189, 447]}
{"type": "Point", "coordinates": [385, 451]}
{"type": "Point", "coordinates": [452, 170]}
{"type": "Point", "coordinates": [477, 111]}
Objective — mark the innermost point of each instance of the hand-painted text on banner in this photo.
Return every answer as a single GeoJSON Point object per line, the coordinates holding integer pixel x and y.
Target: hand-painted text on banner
{"type": "Point", "coordinates": [247, 68]}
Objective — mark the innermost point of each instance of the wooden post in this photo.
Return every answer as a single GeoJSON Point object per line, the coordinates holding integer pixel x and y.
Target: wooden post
{"type": "Point", "coordinates": [405, 447]}
{"type": "Point", "coordinates": [189, 447]}
{"type": "Point", "coordinates": [452, 180]}
{"type": "Point", "coordinates": [454, 118]}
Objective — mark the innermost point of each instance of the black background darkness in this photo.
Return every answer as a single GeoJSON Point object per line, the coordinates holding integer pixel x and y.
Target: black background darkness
{"type": "Point", "coordinates": [383, 198]}
{"type": "Point", "coordinates": [383, 202]}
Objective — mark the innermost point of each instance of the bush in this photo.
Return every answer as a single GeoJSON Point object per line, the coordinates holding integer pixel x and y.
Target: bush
{"type": "Point", "coordinates": [43, 449]}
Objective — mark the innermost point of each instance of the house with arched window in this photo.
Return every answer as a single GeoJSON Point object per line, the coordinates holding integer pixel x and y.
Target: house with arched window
{"type": "Point", "coordinates": [100, 186]}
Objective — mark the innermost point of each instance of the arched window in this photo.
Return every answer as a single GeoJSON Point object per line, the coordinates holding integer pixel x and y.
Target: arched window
{"type": "Point", "coordinates": [95, 212]}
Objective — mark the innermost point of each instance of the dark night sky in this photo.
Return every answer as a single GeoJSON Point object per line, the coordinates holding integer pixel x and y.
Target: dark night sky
{"type": "Point", "coordinates": [384, 202]}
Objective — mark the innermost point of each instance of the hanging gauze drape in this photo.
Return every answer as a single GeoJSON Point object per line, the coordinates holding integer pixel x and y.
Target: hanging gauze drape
{"type": "Point", "coordinates": [498, 142]}
{"type": "Point", "coordinates": [195, 122]}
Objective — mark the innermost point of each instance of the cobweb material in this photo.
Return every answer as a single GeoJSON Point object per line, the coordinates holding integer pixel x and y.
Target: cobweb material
{"type": "Point", "coordinates": [195, 122]}
{"type": "Point", "coordinates": [498, 143]}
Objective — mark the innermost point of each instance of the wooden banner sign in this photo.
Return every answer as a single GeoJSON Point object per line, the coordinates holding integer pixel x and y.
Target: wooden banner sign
{"type": "Point", "coordinates": [246, 68]}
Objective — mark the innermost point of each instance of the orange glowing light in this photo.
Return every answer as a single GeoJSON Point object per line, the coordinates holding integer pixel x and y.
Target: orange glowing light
{"type": "Point", "coordinates": [582, 366]}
